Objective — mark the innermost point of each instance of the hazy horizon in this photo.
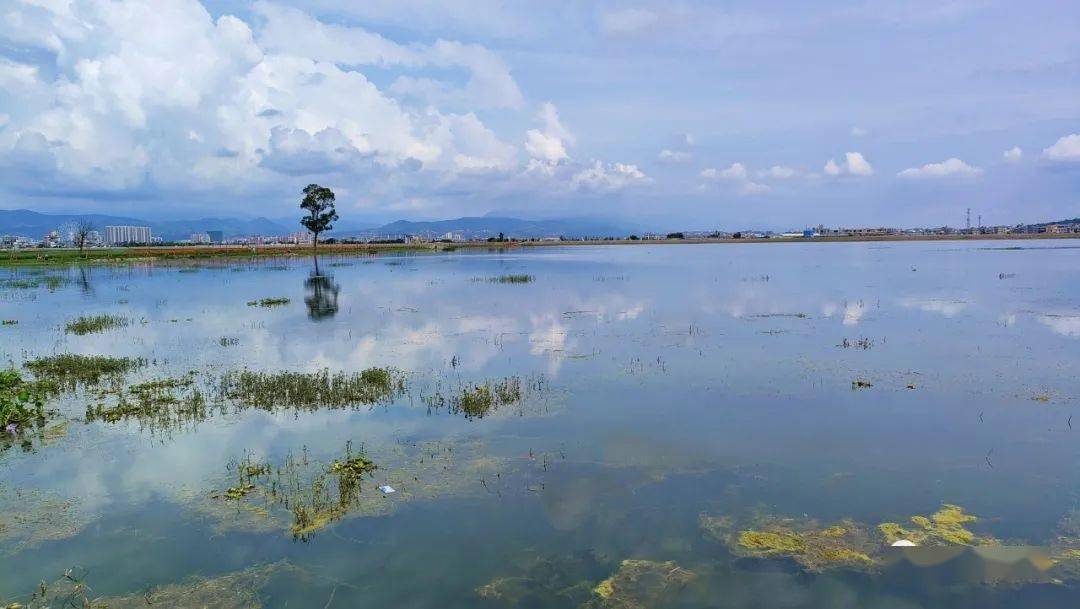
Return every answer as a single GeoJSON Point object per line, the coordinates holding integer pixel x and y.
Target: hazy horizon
{"type": "Point", "coordinates": [691, 115]}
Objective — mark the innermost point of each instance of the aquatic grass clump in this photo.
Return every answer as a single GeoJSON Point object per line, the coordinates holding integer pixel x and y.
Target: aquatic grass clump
{"type": "Point", "coordinates": [266, 303]}
{"type": "Point", "coordinates": [512, 279]}
{"type": "Point", "coordinates": [69, 370]}
{"type": "Point", "coordinates": [51, 282]}
{"type": "Point", "coordinates": [476, 401]}
{"type": "Point", "coordinates": [155, 404]}
{"type": "Point", "coordinates": [95, 324]}
{"type": "Point", "coordinates": [310, 390]}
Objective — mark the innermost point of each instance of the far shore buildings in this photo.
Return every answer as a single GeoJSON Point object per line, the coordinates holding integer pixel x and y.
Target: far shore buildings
{"type": "Point", "coordinates": [127, 235]}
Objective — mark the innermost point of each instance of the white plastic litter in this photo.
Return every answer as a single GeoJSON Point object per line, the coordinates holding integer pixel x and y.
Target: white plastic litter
{"type": "Point", "coordinates": [387, 489]}
{"type": "Point", "coordinates": [903, 543]}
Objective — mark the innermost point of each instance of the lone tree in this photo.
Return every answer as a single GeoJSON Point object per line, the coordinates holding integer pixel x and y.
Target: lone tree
{"type": "Point", "coordinates": [319, 203]}
{"type": "Point", "coordinates": [81, 233]}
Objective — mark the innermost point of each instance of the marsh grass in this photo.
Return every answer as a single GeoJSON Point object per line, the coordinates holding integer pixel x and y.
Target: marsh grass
{"type": "Point", "coordinates": [478, 400]}
{"type": "Point", "coordinates": [508, 279]}
{"type": "Point", "coordinates": [310, 390]}
{"type": "Point", "coordinates": [95, 324]}
{"type": "Point", "coordinates": [160, 404]}
{"type": "Point", "coordinates": [266, 303]}
{"type": "Point", "coordinates": [314, 499]}
{"type": "Point", "coordinates": [70, 370]}
{"type": "Point", "coordinates": [50, 282]}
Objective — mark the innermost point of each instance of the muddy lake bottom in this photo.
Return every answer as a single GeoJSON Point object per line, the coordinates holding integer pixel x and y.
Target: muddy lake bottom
{"type": "Point", "coordinates": [650, 426]}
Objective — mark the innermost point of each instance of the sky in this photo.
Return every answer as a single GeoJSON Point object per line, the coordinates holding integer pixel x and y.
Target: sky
{"type": "Point", "coordinates": [665, 115]}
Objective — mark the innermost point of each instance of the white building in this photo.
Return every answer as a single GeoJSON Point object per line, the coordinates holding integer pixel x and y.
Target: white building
{"type": "Point", "coordinates": [121, 235]}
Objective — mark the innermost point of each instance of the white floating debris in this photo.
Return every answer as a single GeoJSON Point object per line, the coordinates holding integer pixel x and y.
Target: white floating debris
{"type": "Point", "coordinates": [903, 543]}
{"type": "Point", "coordinates": [387, 489]}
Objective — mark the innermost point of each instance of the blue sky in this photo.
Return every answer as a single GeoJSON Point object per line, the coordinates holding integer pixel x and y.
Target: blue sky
{"type": "Point", "coordinates": [669, 115]}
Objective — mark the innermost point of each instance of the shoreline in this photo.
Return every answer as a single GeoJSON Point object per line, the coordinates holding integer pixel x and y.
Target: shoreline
{"type": "Point", "coordinates": [32, 257]}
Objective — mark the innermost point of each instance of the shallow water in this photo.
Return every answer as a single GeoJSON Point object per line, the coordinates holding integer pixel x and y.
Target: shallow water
{"type": "Point", "coordinates": [665, 382]}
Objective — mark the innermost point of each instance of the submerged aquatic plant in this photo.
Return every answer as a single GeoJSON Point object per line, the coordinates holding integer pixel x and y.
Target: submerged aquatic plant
{"type": "Point", "coordinates": [268, 302]}
{"type": "Point", "coordinates": [310, 390]}
{"type": "Point", "coordinates": [555, 581]}
{"type": "Point", "coordinates": [94, 324]}
{"type": "Point", "coordinates": [640, 584]}
{"type": "Point", "coordinates": [69, 370]}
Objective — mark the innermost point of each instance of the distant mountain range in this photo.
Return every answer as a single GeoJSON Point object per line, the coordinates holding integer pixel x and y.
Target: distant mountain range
{"type": "Point", "coordinates": [491, 226]}
{"type": "Point", "coordinates": [28, 223]}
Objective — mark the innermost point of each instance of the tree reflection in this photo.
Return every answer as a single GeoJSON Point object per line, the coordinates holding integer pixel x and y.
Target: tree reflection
{"type": "Point", "coordinates": [322, 295]}
{"type": "Point", "coordinates": [84, 281]}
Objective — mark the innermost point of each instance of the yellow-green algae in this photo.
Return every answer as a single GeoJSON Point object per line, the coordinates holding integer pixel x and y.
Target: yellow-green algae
{"type": "Point", "coordinates": [846, 544]}
{"type": "Point", "coordinates": [944, 527]}
{"type": "Point", "coordinates": [640, 584]}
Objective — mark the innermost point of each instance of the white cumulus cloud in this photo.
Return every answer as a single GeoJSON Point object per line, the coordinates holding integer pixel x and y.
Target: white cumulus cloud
{"type": "Point", "coordinates": [854, 164]}
{"type": "Point", "coordinates": [1067, 148]}
{"type": "Point", "coordinates": [1012, 155]}
{"type": "Point", "coordinates": [952, 167]}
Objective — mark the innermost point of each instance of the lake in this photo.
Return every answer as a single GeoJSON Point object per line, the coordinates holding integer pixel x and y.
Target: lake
{"type": "Point", "coordinates": [615, 426]}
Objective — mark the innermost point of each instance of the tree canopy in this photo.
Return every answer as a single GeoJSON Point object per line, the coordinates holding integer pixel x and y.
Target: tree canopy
{"type": "Point", "coordinates": [319, 203]}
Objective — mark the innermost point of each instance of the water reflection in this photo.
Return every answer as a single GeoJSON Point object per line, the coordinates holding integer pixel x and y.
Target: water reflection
{"type": "Point", "coordinates": [322, 295]}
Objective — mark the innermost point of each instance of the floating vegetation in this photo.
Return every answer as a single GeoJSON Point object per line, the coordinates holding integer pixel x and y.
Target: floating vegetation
{"type": "Point", "coordinates": [508, 279]}
{"type": "Point", "coordinates": [476, 401]}
{"type": "Point", "coordinates": [1041, 397]}
{"type": "Point", "coordinates": [95, 324]}
{"type": "Point", "coordinates": [311, 390]}
{"type": "Point", "coordinates": [943, 527]}
{"type": "Point", "coordinates": [228, 341]}
{"type": "Point", "coordinates": [846, 544]}
{"type": "Point", "coordinates": [23, 415]}
{"type": "Point", "coordinates": [861, 384]}
{"type": "Point", "coordinates": [858, 343]}
{"type": "Point", "coordinates": [268, 302]}
{"type": "Point", "coordinates": [640, 584]}
{"type": "Point", "coordinates": [69, 370]}
{"type": "Point", "coordinates": [9, 322]}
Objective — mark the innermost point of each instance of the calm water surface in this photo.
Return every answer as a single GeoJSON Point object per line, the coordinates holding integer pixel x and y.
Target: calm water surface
{"type": "Point", "coordinates": [662, 383]}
